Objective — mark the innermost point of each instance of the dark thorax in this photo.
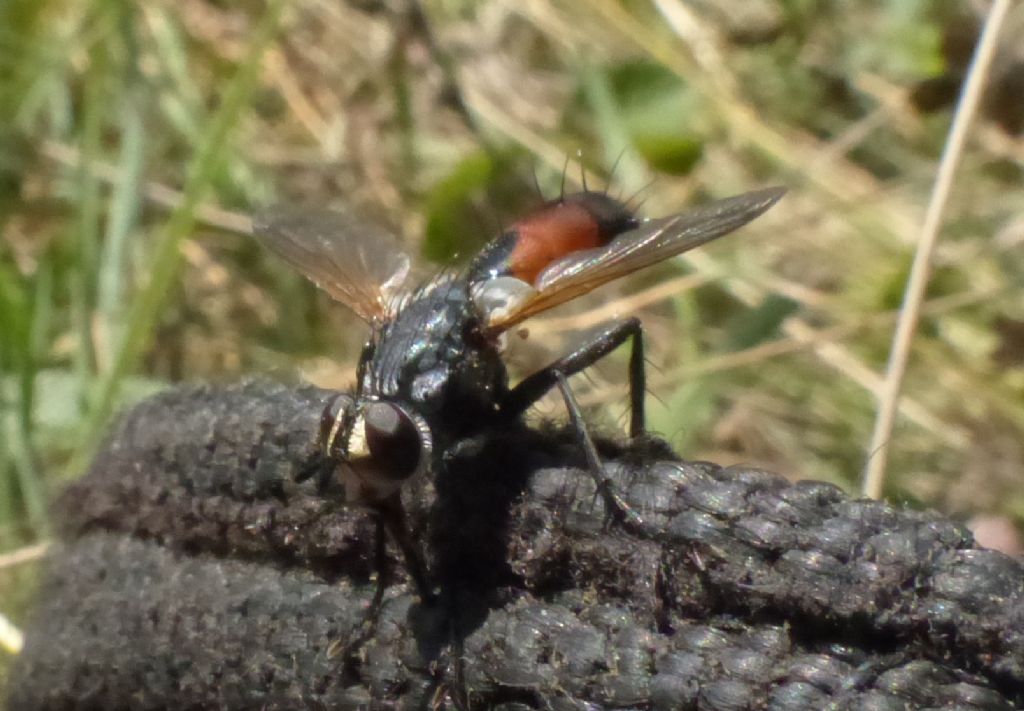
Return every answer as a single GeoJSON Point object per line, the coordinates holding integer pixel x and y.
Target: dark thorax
{"type": "Point", "coordinates": [434, 356]}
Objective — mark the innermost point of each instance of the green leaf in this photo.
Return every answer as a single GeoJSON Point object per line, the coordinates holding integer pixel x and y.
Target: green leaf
{"type": "Point", "coordinates": [753, 326]}
{"type": "Point", "coordinates": [471, 204]}
{"type": "Point", "coordinates": [166, 259]}
{"type": "Point", "coordinates": [664, 118]}
{"type": "Point", "coordinates": [448, 230]}
{"type": "Point", "coordinates": [125, 206]}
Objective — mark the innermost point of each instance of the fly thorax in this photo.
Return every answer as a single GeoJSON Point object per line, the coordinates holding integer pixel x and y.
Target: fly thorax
{"type": "Point", "coordinates": [428, 387]}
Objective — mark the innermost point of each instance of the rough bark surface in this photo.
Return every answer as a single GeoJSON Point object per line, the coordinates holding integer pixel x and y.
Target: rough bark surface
{"type": "Point", "coordinates": [194, 573]}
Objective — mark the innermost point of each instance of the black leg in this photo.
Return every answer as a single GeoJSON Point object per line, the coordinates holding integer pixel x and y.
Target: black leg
{"type": "Point", "coordinates": [369, 625]}
{"type": "Point", "coordinates": [457, 687]}
{"type": "Point", "coordinates": [392, 515]}
{"type": "Point", "coordinates": [383, 564]}
{"type": "Point", "coordinates": [319, 467]}
{"type": "Point", "coordinates": [614, 504]}
{"type": "Point", "coordinates": [533, 388]}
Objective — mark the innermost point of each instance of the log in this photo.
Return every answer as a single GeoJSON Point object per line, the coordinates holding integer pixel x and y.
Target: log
{"type": "Point", "coordinates": [194, 572]}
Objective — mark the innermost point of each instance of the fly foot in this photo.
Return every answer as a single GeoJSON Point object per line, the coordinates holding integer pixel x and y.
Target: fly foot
{"type": "Point", "coordinates": [618, 509]}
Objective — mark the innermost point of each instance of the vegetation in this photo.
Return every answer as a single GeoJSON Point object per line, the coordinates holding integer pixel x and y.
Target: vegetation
{"type": "Point", "coordinates": [134, 137]}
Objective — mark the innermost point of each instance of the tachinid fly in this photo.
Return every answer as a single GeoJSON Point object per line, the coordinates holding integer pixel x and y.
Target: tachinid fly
{"type": "Point", "coordinates": [432, 372]}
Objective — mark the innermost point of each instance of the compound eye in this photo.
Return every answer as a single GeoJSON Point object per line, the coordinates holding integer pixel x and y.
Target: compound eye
{"type": "Point", "coordinates": [394, 441]}
{"type": "Point", "coordinates": [332, 425]}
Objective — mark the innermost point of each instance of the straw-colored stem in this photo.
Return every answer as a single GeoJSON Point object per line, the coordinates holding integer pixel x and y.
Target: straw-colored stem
{"type": "Point", "coordinates": [878, 451]}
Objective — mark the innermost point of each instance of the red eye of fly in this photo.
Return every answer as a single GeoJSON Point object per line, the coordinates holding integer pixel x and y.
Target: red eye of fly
{"type": "Point", "coordinates": [394, 442]}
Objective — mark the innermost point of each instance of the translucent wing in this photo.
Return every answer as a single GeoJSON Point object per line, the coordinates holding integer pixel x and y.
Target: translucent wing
{"type": "Point", "coordinates": [507, 301]}
{"type": "Point", "coordinates": [357, 262]}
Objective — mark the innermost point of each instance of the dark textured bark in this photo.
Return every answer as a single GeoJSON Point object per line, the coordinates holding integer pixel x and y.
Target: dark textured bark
{"type": "Point", "coordinates": [194, 573]}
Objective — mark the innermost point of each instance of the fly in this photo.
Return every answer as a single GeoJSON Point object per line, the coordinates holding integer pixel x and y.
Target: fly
{"type": "Point", "coordinates": [432, 371]}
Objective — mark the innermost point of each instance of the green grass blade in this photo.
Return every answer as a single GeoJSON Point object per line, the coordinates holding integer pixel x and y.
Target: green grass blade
{"type": "Point", "coordinates": [125, 205]}
{"type": "Point", "coordinates": [166, 257]}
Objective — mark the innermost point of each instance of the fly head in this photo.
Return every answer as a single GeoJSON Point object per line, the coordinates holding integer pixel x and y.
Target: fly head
{"type": "Point", "coordinates": [376, 444]}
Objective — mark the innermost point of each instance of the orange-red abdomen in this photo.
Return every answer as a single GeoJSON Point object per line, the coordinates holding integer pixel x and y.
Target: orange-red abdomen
{"type": "Point", "coordinates": [549, 235]}
{"type": "Point", "coordinates": [576, 222]}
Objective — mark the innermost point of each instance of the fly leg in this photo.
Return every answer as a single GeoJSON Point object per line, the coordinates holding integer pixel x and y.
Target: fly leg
{"type": "Point", "coordinates": [536, 386]}
{"type": "Point", "coordinates": [392, 515]}
{"type": "Point", "coordinates": [369, 625]}
{"type": "Point", "coordinates": [557, 375]}
{"type": "Point", "coordinates": [390, 521]}
{"type": "Point", "coordinates": [612, 501]}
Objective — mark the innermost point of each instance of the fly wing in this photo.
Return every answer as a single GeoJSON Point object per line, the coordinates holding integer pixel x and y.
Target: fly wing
{"type": "Point", "coordinates": [359, 263]}
{"type": "Point", "coordinates": [651, 242]}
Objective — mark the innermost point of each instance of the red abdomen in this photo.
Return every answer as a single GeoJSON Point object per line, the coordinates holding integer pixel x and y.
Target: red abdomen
{"type": "Point", "coordinates": [576, 222]}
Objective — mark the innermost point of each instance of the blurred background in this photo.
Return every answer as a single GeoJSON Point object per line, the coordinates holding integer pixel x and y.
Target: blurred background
{"type": "Point", "coordinates": [135, 138]}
